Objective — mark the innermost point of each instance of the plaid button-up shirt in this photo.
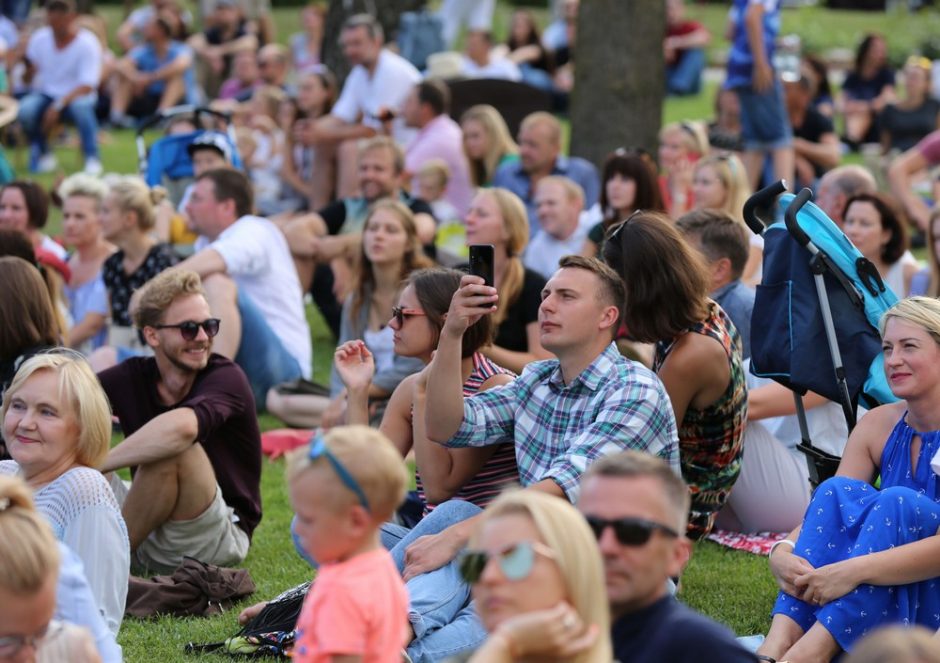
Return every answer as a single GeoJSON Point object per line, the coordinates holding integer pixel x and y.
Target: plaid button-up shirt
{"type": "Point", "coordinates": [559, 430]}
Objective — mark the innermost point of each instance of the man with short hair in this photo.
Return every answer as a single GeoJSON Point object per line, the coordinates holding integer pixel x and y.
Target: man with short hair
{"type": "Point", "coordinates": [63, 62]}
{"type": "Point", "coordinates": [371, 98]}
{"type": "Point", "coordinates": [559, 203]}
{"type": "Point", "coordinates": [562, 415]}
{"type": "Point", "coordinates": [251, 282]}
{"type": "Point", "coordinates": [540, 156]}
{"type": "Point", "coordinates": [637, 507]}
{"type": "Point", "coordinates": [840, 184]}
{"type": "Point", "coordinates": [724, 244]}
{"type": "Point", "coordinates": [154, 76]}
{"type": "Point", "coordinates": [426, 108]}
{"type": "Point", "coordinates": [478, 60]}
{"type": "Point", "coordinates": [324, 243]}
{"type": "Point", "coordinates": [273, 65]}
{"type": "Point", "coordinates": [191, 435]}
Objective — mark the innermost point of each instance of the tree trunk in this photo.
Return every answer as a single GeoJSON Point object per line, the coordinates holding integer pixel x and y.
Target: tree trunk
{"type": "Point", "coordinates": [387, 11]}
{"type": "Point", "coordinates": [617, 100]}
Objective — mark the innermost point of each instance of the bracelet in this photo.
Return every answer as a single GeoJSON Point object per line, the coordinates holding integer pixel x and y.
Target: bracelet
{"type": "Point", "coordinates": [777, 543]}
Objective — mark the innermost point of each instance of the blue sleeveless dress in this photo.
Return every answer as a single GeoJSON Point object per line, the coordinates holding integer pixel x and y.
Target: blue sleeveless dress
{"type": "Point", "coordinates": [847, 518]}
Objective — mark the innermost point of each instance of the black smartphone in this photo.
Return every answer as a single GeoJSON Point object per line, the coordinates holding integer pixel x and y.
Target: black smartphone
{"type": "Point", "coordinates": [481, 262]}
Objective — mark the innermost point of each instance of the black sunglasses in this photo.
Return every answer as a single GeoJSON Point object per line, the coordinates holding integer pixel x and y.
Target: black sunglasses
{"type": "Point", "coordinates": [189, 330]}
{"type": "Point", "coordinates": [629, 531]}
{"type": "Point", "coordinates": [614, 230]}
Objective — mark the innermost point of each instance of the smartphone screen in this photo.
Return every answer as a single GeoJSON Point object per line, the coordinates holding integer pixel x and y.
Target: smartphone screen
{"type": "Point", "coordinates": [481, 262]}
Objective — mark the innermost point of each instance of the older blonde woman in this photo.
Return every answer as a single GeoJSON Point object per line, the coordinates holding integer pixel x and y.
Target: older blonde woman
{"type": "Point", "coordinates": [57, 428]}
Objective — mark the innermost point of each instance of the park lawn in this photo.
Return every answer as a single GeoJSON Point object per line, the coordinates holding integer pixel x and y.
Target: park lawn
{"type": "Point", "coordinates": [733, 587]}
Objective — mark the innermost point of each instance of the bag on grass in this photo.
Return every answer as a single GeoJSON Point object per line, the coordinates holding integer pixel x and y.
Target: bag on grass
{"type": "Point", "coordinates": [270, 633]}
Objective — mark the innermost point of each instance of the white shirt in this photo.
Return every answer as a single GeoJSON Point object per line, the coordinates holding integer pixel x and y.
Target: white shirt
{"type": "Point", "coordinates": [497, 68]}
{"type": "Point", "coordinates": [544, 251]}
{"type": "Point", "coordinates": [258, 259]}
{"type": "Point", "coordinates": [58, 72]}
{"type": "Point", "coordinates": [363, 96]}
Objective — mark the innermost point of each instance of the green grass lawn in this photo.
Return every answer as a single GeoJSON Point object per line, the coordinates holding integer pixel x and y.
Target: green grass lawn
{"type": "Point", "coordinates": [732, 587]}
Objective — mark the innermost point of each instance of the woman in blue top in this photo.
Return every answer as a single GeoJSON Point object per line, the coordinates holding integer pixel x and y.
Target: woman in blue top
{"type": "Point", "coordinates": [865, 557]}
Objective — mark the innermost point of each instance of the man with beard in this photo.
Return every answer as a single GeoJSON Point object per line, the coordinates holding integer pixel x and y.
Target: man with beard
{"type": "Point", "coordinates": [191, 435]}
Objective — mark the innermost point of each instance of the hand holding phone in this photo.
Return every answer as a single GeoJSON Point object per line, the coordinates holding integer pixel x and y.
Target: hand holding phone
{"type": "Point", "coordinates": [481, 262]}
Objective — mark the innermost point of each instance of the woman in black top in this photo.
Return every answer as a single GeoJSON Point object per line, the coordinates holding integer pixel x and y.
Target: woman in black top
{"type": "Point", "coordinates": [908, 120]}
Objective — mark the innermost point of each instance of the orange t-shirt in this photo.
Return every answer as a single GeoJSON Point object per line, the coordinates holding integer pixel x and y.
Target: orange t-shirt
{"type": "Point", "coordinates": [355, 608]}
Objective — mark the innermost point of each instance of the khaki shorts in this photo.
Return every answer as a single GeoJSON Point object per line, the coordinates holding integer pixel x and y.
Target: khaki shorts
{"type": "Point", "coordinates": [211, 537]}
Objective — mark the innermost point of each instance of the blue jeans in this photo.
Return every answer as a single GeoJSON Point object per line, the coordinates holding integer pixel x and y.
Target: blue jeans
{"type": "Point", "coordinates": [16, 10]}
{"type": "Point", "coordinates": [261, 354]}
{"type": "Point", "coordinates": [441, 612]}
{"type": "Point", "coordinates": [685, 76]}
{"type": "Point", "coordinates": [764, 121]}
{"type": "Point", "coordinates": [81, 112]}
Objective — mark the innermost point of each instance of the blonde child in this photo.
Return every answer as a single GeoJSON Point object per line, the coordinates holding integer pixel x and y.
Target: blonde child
{"type": "Point", "coordinates": [342, 488]}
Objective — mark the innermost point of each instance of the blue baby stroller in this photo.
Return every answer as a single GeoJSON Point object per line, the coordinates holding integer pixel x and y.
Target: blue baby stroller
{"type": "Point", "coordinates": [817, 291]}
{"type": "Point", "coordinates": [167, 162]}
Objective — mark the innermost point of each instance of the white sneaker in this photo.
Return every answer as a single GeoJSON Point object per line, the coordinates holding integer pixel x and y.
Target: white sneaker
{"type": "Point", "coordinates": [47, 163]}
{"type": "Point", "coordinates": [93, 166]}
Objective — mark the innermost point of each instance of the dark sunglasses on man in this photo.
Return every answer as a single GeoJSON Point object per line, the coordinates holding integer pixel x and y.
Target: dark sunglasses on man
{"type": "Point", "coordinates": [189, 329]}
{"type": "Point", "coordinates": [629, 531]}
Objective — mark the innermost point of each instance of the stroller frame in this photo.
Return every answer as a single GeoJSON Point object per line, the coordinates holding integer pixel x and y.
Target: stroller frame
{"type": "Point", "coordinates": [758, 207]}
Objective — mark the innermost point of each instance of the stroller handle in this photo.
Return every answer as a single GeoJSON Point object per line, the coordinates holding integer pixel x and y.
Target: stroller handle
{"type": "Point", "coordinates": [156, 118]}
{"type": "Point", "coordinates": [760, 205]}
{"type": "Point", "coordinates": [789, 217]}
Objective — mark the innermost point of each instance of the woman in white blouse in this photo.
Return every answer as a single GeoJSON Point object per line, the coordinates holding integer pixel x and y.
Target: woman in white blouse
{"type": "Point", "coordinates": [57, 428]}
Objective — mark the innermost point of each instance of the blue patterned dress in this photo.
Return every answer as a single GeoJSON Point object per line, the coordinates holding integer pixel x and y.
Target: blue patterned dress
{"type": "Point", "coordinates": [847, 518]}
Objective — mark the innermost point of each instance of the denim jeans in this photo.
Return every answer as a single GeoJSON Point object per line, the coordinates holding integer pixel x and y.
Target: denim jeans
{"type": "Point", "coordinates": [441, 613]}
{"type": "Point", "coordinates": [261, 354]}
{"type": "Point", "coordinates": [81, 112]}
{"type": "Point", "coordinates": [685, 76]}
{"type": "Point", "coordinates": [16, 10]}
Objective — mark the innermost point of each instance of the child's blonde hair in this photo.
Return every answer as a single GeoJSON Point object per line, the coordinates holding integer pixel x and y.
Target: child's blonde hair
{"type": "Point", "coordinates": [436, 169]}
{"type": "Point", "coordinates": [370, 458]}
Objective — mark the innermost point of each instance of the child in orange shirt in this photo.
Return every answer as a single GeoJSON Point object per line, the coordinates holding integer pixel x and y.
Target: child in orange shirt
{"type": "Point", "coordinates": [343, 487]}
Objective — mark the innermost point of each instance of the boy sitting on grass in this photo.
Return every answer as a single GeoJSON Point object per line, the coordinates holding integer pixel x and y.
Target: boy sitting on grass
{"type": "Point", "coordinates": [342, 488]}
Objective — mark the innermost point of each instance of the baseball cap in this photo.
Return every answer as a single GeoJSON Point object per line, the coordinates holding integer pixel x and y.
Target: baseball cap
{"type": "Point", "coordinates": [211, 140]}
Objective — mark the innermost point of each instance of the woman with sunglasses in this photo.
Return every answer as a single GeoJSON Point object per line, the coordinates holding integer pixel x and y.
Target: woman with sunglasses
{"type": "Point", "coordinates": [128, 216]}
{"type": "Point", "coordinates": [698, 354]}
{"type": "Point", "coordinates": [538, 582]}
{"type": "Point", "coordinates": [629, 184]}
{"type": "Point", "coordinates": [390, 251]}
{"type": "Point", "coordinates": [498, 217]}
{"type": "Point", "coordinates": [472, 474]}
{"type": "Point", "coordinates": [57, 426]}
{"type": "Point", "coordinates": [867, 557]}
{"type": "Point", "coordinates": [720, 182]}
{"type": "Point", "coordinates": [30, 629]}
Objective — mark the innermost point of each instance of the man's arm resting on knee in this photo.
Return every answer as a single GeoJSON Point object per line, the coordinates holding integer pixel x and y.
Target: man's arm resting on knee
{"type": "Point", "coordinates": [165, 436]}
{"type": "Point", "coordinates": [332, 129]}
{"type": "Point", "coordinates": [205, 263]}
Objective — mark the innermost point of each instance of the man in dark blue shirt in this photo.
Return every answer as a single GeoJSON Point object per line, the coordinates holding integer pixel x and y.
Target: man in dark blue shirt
{"type": "Point", "coordinates": [637, 507]}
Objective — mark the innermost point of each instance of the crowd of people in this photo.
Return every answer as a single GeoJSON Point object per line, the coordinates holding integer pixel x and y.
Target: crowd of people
{"type": "Point", "coordinates": [573, 422]}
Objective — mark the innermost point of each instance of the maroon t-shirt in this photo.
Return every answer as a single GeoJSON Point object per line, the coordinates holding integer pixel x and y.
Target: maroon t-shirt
{"type": "Point", "coordinates": [228, 426]}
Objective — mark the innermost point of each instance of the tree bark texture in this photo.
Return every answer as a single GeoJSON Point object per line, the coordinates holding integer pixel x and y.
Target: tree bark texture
{"type": "Point", "coordinates": [619, 86]}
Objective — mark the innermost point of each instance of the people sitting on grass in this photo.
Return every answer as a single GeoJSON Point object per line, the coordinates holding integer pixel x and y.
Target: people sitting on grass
{"type": "Point", "coordinates": [343, 486]}
{"type": "Point", "coordinates": [559, 203]}
{"type": "Point", "coordinates": [390, 251]}
{"type": "Point", "coordinates": [698, 354]}
{"type": "Point", "coordinates": [562, 415]}
{"type": "Point", "coordinates": [57, 427]}
{"type": "Point", "coordinates": [245, 265]}
{"type": "Point", "coordinates": [191, 435]}
{"type": "Point", "coordinates": [865, 557]}
{"type": "Point", "coordinates": [637, 507]}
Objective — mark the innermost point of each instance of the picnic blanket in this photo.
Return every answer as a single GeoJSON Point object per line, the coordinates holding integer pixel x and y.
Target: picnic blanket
{"type": "Point", "coordinates": [756, 544]}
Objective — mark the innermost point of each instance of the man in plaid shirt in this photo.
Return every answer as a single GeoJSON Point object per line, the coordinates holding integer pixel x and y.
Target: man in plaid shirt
{"type": "Point", "coordinates": [562, 415]}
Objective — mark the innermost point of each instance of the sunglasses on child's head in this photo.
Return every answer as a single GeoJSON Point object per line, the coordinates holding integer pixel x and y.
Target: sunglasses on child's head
{"type": "Point", "coordinates": [515, 561]}
{"type": "Point", "coordinates": [189, 329]}
{"type": "Point", "coordinates": [318, 449]}
{"type": "Point", "coordinates": [629, 531]}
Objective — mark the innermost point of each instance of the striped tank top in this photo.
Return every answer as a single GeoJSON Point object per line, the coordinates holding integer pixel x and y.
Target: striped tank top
{"type": "Point", "coordinates": [500, 469]}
